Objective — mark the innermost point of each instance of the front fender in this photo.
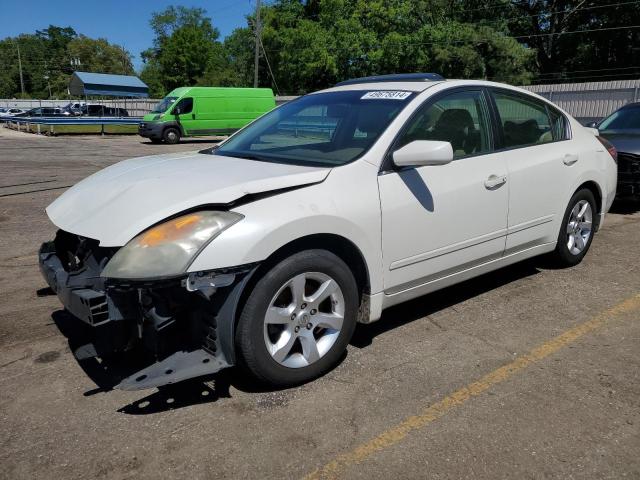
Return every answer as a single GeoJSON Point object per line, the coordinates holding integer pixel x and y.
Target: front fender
{"type": "Point", "coordinates": [330, 207]}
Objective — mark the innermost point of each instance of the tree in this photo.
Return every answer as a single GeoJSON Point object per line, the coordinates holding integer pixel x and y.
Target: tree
{"type": "Point", "coordinates": [185, 46]}
{"type": "Point", "coordinates": [46, 61]}
{"type": "Point", "coordinates": [98, 55]}
{"type": "Point", "coordinates": [312, 44]}
{"type": "Point", "coordinates": [605, 51]}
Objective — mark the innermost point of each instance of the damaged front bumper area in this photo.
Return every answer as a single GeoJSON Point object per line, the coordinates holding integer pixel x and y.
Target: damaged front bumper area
{"type": "Point", "coordinates": [179, 328]}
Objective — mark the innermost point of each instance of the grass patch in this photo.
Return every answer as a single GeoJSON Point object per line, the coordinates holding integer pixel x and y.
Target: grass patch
{"type": "Point", "coordinates": [82, 129]}
{"type": "Point", "coordinates": [78, 129]}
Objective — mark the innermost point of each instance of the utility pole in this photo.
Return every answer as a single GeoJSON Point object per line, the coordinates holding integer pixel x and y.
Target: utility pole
{"type": "Point", "coordinates": [20, 68]}
{"type": "Point", "coordinates": [257, 52]}
{"type": "Point", "coordinates": [124, 60]}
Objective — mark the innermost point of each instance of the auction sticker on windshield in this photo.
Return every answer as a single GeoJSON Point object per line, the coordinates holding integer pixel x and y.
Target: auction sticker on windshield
{"type": "Point", "coordinates": [385, 95]}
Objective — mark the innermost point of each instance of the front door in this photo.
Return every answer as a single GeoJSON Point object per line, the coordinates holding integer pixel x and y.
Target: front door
{"type": "Point", "coordinates": [184, 114]}
{"type": "Point", "coordinates": [438, 220]}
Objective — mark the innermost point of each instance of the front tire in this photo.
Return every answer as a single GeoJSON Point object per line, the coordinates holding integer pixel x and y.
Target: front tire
{"type": "Point", "coordinates": [576, 230]}
{"type": "Point", "coordinates": [298, 320]}
{"type": "Point", "coordinates": [171, 136]}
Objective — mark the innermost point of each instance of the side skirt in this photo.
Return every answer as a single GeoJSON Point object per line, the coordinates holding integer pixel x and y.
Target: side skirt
{"type": "Point", "coordinates": [403, 295]}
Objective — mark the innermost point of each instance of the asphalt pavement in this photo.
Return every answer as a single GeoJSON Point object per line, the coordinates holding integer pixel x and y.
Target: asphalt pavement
{"type": "Point", "coordinates": [527, 372]}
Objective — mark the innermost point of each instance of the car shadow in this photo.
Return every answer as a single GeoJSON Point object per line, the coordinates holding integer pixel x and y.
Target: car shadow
{"type": "Point", "coordinates": [196, 391]}
{"type": "Point", "coordinates": [108, 373]}
{"type": "Point", "coordinates": [429, 304]}
{"type": "Point", "coordinates": [625, 206]}
{"type": "Point", "coordinates": [416, 184]}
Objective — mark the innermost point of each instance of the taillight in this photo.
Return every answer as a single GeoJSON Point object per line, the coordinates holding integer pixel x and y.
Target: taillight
{"type": "Point", "coordinates": [610, 148]}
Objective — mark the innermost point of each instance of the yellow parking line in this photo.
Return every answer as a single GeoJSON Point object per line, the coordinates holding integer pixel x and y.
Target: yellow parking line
{"type": "Point", "coordinates": [439, 409]}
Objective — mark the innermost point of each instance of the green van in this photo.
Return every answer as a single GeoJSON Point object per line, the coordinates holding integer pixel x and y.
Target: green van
{"type": "Point", "coordinates": [189, 111]}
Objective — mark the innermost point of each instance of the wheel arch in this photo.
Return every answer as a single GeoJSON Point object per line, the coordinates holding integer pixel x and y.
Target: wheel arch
{"type": "Point", "coordinates": [344, 248]}
{"type": "Point", "coordinates": [174, 125]}
{"type": "Point", "coordinates": [595, 189]}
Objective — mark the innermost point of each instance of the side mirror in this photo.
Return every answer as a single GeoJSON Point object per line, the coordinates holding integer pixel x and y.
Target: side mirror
{"type": "Point", "coordinates": [423, 152]}
{"type": "Point", "coordinates": [177, 110]}
{"type": "Point", "coordinates": [592, 125]}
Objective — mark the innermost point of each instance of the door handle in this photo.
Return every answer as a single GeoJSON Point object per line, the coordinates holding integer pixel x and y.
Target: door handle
{"type": "Point", "coordinates": [570, 158]}
{"type": "Point", "coordinates": [495, 181]}
{"type": "Point", "coordinates": [193, 116]}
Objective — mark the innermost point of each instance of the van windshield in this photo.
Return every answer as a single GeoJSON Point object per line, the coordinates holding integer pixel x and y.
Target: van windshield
{"type": "Point", "coordinates": [164, 105]}
{"type": "Point", "coordinates": [323, 129]}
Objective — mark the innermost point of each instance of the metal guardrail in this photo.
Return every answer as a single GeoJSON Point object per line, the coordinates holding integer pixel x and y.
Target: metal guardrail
{"type": "Point", "coordinates": [50, 122]}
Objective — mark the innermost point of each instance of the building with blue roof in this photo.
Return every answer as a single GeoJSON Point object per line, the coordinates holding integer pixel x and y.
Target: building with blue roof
{"type": "Point", "coordinates": [84, 84]}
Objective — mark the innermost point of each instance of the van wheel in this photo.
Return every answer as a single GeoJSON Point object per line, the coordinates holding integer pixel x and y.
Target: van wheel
{"type": "Point", "coordinates": [298, 320]}
{"type": "Point", "coordinates": [171, 136]}
{"type": "Point", "coordinates": [576, 230]}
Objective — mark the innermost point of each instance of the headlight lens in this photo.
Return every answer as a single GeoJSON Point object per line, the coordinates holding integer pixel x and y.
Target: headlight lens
{"type": "Point", "coordinates": [168, 248]}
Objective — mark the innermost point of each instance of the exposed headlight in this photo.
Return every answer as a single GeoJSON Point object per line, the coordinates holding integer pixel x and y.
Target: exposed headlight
{"type": "Point", "coordinates": [168, 248]}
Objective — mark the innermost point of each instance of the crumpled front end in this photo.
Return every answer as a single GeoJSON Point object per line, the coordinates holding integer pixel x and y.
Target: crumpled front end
{"type": "Point", "coordinates": [181, 327]}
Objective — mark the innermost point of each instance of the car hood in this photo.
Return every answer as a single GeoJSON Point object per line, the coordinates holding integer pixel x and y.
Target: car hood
{"type": "Point", "coordinates": [115, 204]}
{"type": "Point", "coordinates": [624, 142]}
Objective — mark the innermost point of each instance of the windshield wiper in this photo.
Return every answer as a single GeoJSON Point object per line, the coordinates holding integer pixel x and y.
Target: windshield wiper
{"type": "Point", "coordinates": [243, 156]}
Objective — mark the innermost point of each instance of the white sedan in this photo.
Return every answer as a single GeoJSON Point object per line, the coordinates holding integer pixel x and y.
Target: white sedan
{"type": "Point", "coordinates": [10, 111]}
{"type": "Point", "coordinates": [266, 251]}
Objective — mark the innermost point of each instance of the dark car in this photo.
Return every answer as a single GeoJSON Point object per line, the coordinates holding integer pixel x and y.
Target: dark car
{"type": "Point", "coordinates": [622, 129]}
{"type": "Point", "coordinates": [103, 111]}
{"type": "Point", "coordinates": [45, 112]}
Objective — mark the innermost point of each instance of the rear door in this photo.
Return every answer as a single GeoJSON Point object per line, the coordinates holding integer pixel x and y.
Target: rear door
{"type": "Point", "coordinates": [533, 142]}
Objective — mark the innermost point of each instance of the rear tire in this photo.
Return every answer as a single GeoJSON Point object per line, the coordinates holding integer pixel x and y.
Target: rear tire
{"type": "Point", "coordinates": [171, 135]}
{"type": "Point", "coordinates": [298, 319]}
{"type": "Point", "coordinates": [577, 230]}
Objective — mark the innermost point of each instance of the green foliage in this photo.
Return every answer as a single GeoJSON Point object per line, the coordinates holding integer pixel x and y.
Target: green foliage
{"type": "Point", "coordinates": [100, 56]}
{"type": "Point", "coordinates": [186, 47]}
{"type": "Point", "coordinates": [311, 44]}
{"type": "Point", "coordinates": [593, 56]}
{"type": "Point", "coordinates": [46, 61]}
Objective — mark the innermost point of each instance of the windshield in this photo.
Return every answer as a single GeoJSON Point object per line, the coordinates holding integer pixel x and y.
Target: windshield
{"type": "Point", "coordinates": [164, 105]}
{"type": "Point", "coordinates": [625, 119]}
{"type": "Point", "coordinates": [324, 129]}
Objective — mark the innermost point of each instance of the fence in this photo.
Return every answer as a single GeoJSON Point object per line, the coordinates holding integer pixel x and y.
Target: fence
{"type": "Point", "coordinates": [48, 124]}
{"type": "Point", "coordinates": [590, 101]}
{"type": "Point", "coordinates": [585, 101]}
{"type": "Point", "coordinates": [136, 107]}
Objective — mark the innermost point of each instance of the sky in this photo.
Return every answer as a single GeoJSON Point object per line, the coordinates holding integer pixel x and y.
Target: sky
{"type": "Point", "coordinates": [124, 22]}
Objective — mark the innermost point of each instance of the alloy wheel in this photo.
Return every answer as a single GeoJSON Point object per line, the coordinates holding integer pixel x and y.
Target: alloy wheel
{"type": "Point", "coordinates": [172, 136]}
{"type": "Point", "coordinates": [304, 319]}
{"type": "Point", "coordinates": [579, 227]}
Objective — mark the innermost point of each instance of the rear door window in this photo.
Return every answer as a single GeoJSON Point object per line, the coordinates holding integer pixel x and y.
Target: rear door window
{"type": "Point", "coordinates": [527, 121]}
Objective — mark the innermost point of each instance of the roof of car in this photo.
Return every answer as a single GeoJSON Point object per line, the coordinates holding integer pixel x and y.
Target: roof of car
{"type": "Point", "coordinates": [420, 86]}
{"type": "Point", "coordinates": [407, 86]}
{"type": "Point", "coordinates": [394, 77]}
